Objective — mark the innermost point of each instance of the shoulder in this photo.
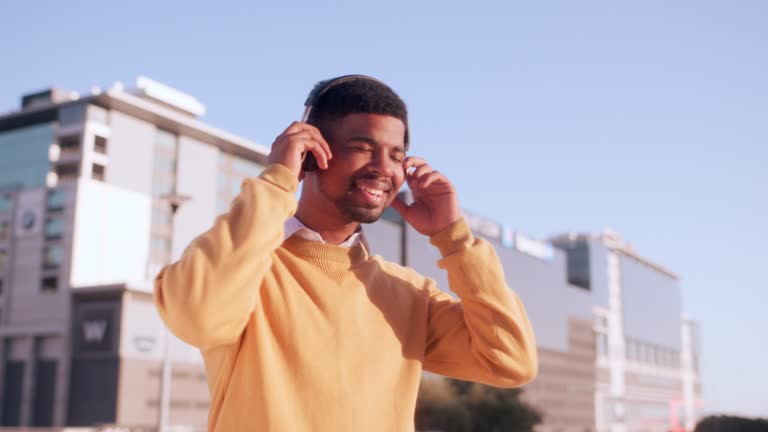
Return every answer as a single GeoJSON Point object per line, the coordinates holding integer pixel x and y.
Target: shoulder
{"type": "Point", "coordinates": [395, 270]}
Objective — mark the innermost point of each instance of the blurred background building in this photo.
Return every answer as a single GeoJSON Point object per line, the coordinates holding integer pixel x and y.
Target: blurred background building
{"type": "Point", "coordinates": [85, 226]}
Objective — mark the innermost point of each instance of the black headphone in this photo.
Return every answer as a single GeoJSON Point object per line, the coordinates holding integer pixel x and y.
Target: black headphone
{"type": "Point", "coordinates": [310, 164]}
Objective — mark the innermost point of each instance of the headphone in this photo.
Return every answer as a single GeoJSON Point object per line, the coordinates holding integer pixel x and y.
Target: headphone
{"type": "Point", "coordinates": [310, 164]}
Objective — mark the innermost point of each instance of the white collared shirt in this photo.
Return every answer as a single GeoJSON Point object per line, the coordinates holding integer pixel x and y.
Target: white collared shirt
{"type": "Point", "coordinates": [294, 226]}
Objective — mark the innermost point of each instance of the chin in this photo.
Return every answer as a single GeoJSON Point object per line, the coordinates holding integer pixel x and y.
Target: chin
{"type": "Point", "coordinates": [362, 215]}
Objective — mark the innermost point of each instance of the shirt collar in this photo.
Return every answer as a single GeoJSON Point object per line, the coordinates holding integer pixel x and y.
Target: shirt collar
{"type": "Point", "coordinates": [294, 226]}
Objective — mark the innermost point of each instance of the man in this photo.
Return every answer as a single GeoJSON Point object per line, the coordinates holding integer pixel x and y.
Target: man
{"type": "Point", "coordinates": [300, 328]}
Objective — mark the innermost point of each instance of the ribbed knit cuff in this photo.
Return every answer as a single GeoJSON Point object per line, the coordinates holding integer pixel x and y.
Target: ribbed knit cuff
{"type": "Point", "coordinates": [280, 176]}
{"type": "Point", "coordinates": [455, 238]}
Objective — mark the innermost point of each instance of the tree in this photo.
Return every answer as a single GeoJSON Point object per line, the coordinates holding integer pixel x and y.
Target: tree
{"type": "Point", "coordinates": [459, 406]}
{"type": "Point", "coordinates": [731, 424]}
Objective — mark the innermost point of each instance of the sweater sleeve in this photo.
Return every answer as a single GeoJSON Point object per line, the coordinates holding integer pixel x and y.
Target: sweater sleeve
{"type": "Point", "coordinates": [207, 296]}
{"type": "Point", "coordinates": [486, 337]}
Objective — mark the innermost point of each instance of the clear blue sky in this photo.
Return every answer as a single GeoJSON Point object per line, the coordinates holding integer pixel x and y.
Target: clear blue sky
{"type": "Point", "coordinates": [650, 117]}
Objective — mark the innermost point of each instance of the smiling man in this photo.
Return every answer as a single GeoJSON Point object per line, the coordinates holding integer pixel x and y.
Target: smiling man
{"type": "Point", "coordinates": [301, 329]}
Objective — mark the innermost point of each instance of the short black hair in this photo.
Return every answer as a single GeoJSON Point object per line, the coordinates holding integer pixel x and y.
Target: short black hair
{"type": "Point", "coordinates": [360, 95]}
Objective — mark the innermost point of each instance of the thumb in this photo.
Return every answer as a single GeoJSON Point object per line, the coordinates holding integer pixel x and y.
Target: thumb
{"type": "Point", "coordinates": [400, 206]}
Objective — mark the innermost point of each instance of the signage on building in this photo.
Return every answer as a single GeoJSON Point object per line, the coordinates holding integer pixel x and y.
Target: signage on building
{"type": "Point", "coordinates": [535, 248]}
{"type": "Point", "coordinates": [95, 330]}
{"type": "Point", "coordinates": [483, 226]}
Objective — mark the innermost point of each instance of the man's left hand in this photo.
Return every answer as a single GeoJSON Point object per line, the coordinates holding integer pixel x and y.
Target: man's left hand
{"type": "Point", "coordinates": [435, 205]}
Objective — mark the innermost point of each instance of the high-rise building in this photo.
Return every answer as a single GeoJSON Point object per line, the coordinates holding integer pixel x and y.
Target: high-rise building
{"type": "Point", "coordinates": [84, 227]}
{"type": "Point", "coordinates": [86, 224]}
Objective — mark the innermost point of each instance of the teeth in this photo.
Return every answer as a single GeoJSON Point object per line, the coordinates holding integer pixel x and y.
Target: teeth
{"type": "Point", "coordinates": [374, 192]}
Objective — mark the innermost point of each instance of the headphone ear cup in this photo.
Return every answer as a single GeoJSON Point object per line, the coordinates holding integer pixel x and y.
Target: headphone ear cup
{"type": "Point", "coordinates": [310, 163]}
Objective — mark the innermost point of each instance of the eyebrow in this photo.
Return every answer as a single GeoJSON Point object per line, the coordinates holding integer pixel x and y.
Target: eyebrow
{"type": "Point", "coordinates": [373, 142]}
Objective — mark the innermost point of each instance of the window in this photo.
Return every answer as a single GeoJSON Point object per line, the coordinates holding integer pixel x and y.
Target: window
{"type": "Point", "coordinates": [69, 144]}
{"type": "Point", "coordinates": [49, 284]}
{"type": "Point", "coordinates": [164, 162]}
{"type": "Point", "coordinates": [52, 256]}
{"type": "Point", "coordinates": [97, 172]}
{"type": "Point", "coordinates": [54, 228]}
{"type": "Point", "coordinates": [601, 342]}
{"type": "Point", "coordinates": [68, 171]}
{"type": "Point", "coordinates": [166, 140]}
{"type": "Point", "coordinates": [56, 199]}
{"type": "Point", "coordinates": [161, 215]}
{"type": "Point", "coordinates": [1, 287]}
{"type": "Point", "coordinates": [161, 245]}
{"type": "Point", "coordinates": [5, 230]}
{"type": "Point", "coordinates": [6, 202]}
{"type": "Point", "coordinates": [99, 144]}
{"type": "Point", "coordinates": [3, 258]}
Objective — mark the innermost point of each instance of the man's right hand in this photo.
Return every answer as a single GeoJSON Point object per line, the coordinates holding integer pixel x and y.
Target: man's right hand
{"type": "Point", "coordinates": [290, 148]}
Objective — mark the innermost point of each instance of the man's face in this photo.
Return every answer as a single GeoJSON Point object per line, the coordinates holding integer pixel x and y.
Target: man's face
{"type": "Point", "coordinates": [366, 170]}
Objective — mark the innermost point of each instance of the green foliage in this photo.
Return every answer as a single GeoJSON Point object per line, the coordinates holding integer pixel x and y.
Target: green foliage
{"type": "Point", "coordinates": [458, 406]}
{"type": "Point", "coordinates": [731, 424]}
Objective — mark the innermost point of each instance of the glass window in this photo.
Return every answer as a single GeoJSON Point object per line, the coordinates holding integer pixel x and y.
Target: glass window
{"type": "Point", "coordinates": [54, 228]}
{"type": "Point", "coordinates": [99, 144]}
{"type": "Point", "coordinates": [161, 187]}
{"type": "Point", "coordinates": [97, 172]}
{"type": "Point", "coordinates": [6, 202]}
{"type": "Point", "coordinates": [49, 284]}
{"type": "Point", "coordinates": [161, 245]}
{"type": "Point", "coordinates": [25, 156]}
{"type": "Point", "coordinates": [53, 256]}
{"type": "Point", "coordinates": [165, 139]}
{"type": "Point", "coordinates": [3, 258]}
{"type": "Point", "coordinates": [161, 216]}
{"type": "Point", "coordinates": [601, 344]}
{"type": "Point", "coordinates": [5, 230]}
{"type": "Point", "coordinates": [72, 114]}
{"type": "Point", "coordinates": [68, 170]}
{"type": "Point", "coordinates": [164, 162]}
{"type": "Point", "coordinates": [70, 144]}
{"type": "Point", "coordinates": [1, 287]}
{"type": "Point", "coordinates": [56, 199]}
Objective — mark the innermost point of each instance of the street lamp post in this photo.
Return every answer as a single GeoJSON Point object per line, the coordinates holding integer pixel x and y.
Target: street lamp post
{"type": "Point", "coordinates": [174, 201]}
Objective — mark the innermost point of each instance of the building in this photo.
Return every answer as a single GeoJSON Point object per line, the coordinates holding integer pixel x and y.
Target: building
{"type": "Point", "coordinates": [647, 376]}
{"type": "Point", "coordinates": [85, 224]}
{"type": "Point", "coordinates": [83, 230]}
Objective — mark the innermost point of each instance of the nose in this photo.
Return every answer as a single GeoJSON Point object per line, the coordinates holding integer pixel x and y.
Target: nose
{"type": "Point", "coordinates": [383, 165]}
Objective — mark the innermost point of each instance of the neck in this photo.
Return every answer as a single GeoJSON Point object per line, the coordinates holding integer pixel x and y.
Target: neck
{"type": "Point", "coordinates": [332, 232]}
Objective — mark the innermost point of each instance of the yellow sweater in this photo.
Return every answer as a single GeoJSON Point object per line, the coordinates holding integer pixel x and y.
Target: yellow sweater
{"type": "Point", "coordinates": [305, 336]}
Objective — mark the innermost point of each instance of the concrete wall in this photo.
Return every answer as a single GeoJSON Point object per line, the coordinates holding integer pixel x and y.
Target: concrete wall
{"type": "Point", "coordinates": [652, 304]}
{"type": "Point", "coordinates": [197, 177]}
{"type": "Point", "coordinates": [111, 235]}
{"type": "Point", "coordinates": [131, 151]}
{"type": "Point", "coordinates": [27, 304]}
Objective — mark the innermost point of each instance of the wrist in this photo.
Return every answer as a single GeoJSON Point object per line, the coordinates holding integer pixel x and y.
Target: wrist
{"type": "Point", "coordinates": [454, 238]}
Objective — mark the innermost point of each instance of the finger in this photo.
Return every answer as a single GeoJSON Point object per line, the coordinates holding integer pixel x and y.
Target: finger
{"type": "Point", "coordinates": [432, 178]}
{"type": "Point", "coordinates": [315, 133]}
{"type": "Point", "coordinates": [318, 151]}
{"type": "Point", "coordinates": [421, 171]}
{"type": "Point", "coordinates": [413, 161]}
{"type": "Point", "coordinates": [399, 205]}
{"type": "Point", "coordinates": [294, 127]}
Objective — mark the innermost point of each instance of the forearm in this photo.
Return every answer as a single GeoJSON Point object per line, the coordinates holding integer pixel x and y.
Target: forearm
{"type": "Point", "coordinates": [207, 296]}
{"type": "Point", "coordinates": [487, 336]}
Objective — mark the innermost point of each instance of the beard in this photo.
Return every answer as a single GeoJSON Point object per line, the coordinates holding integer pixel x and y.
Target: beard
{"type": "Point", "coordinates": [359, 214]}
